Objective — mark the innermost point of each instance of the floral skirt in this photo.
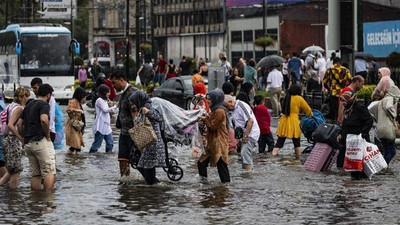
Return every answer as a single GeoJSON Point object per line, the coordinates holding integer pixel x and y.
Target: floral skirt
{"type": "Point", "coordinates": [12, 148]}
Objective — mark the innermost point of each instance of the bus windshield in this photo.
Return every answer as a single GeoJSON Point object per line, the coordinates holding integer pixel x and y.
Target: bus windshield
{"type": "Point", "coordinates": [45, 54]}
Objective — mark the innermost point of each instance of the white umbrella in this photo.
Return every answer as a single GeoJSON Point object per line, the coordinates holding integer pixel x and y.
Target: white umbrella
{"type": "Point", "coordinates": [313, 49]}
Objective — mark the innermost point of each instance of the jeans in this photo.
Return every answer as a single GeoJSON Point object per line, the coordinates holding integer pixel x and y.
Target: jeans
{"type": "Point", "coordinates": [98, 139]}
{"type": "Point", "coordinates": [264, 140]}
{"type": "Point", "coordinates": [156, 79]}
{"type": "Point", "coordinates": [390, 149]}
{"type": "Point", "coordinates": [161, 79]}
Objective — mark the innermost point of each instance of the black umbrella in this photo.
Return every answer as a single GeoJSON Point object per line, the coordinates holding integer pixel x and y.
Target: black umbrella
{"type": "Point", "coordinates": [270, 61]}
{"type": "Point", "coordinates": [363, 55]}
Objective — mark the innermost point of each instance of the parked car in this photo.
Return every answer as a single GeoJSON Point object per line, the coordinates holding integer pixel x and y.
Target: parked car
{"type": "Point", "coordinates": [177, 90]}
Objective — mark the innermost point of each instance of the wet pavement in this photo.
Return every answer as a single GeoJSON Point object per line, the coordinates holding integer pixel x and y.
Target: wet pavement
{"type": "Point", "coordinates": [279, 191]}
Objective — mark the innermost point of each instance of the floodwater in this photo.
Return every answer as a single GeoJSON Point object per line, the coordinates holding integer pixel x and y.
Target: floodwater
{"type": "Point", "coordinates": [89, 191]}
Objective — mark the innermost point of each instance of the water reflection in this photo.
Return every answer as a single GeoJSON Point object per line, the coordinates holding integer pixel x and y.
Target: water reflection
{"type": "Point", "coordinates": [144, 199]}
{"type": "Point", "coordinates": [215, 197]}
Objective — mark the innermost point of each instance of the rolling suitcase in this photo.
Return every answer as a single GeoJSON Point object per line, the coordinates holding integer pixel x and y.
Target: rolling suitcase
{"type": "Point", "coordinates": [322, 157]}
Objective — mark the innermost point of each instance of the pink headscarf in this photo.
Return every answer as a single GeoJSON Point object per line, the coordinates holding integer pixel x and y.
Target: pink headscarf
{"type": "Point", "coordinates": [385, 82]}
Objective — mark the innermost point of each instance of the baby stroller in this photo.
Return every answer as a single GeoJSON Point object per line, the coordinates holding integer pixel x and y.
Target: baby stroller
{"type": "Point", "coordinates": [173, 170]}
{"type": "Point", "coordinates": [179, 128]}
{"type": "Point", "coordinates": [308, 125]}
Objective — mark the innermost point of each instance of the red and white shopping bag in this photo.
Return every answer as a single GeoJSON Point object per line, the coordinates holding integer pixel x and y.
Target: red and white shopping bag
{"type": "Point", "coordinates": [355, 147]}
{"type": "Point", "coordinates": [373, 160]}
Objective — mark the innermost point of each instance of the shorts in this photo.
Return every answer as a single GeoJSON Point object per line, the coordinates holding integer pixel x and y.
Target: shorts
{"type": "Point", "coordinates": [41, 157]}
{"type": "Point", "coordinates": [13, 154]}
{"type": "Point", "coordinates": [125, 144]}
{"type": "Point", "coordinates": [246, 151]}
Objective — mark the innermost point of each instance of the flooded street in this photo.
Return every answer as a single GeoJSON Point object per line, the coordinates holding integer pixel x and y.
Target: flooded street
{"type": "Point", "coordinates": [279, 191]}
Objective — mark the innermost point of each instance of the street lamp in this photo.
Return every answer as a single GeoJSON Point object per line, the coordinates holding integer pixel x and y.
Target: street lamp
{"type": "Point", "coordinates": [264, 6]}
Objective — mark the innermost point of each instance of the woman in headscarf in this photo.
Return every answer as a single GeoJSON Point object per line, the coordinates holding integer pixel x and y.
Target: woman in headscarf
{"type": "Point", "coordinates": [357, 120]}
{"type": "Point", "coordinates": [153, 155]}
{"type": "Point", "coordinates": [216, 152]}
{"type": "Point", "coordinates": [199, 100]}
{"type": "Point", "coordinates": [384, 84]}
{"type": "Point", "coordinates": [246, 90]}
{"type": "Point", "coordinates": [101, 125]}
{"type": "Point", "coordinates": [74, 137]}
{"type": "Point", "coordinates": [385, 113]}
{"type": "Point", "coordinates": [289, 124]}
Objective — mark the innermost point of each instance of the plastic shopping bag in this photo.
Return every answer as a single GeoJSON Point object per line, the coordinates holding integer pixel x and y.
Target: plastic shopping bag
{"type": "Point", "coordinates": [373, 160]}
{"type": "Point", "coordinates": [355, 147]}
{"type": "Point", "coordinates": [137, 81]}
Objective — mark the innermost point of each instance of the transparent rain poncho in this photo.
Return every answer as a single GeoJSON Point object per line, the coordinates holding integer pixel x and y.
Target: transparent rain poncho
{"type": "Point", "coordinates": [180, 125]}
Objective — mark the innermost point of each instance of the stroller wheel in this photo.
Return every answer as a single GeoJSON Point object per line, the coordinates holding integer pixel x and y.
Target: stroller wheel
{"type": "Point", "coordinates": [175, 173]}
{"type": "Point", "coordinates": [171, 162]}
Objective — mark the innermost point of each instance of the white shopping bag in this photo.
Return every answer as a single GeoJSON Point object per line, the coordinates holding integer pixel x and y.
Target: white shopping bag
{"type": "Point", "coordinates": [373, 160]}
{"type": "Point", "coordinates": [138, 82]}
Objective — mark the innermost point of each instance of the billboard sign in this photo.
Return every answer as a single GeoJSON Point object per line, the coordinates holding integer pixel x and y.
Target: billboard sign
{"type": "Point", "coordinates": [57, 9]}
{"type": "Point", "coordinates": [381, 38]}
{"type": "Point", "coordinates": [230, 3]}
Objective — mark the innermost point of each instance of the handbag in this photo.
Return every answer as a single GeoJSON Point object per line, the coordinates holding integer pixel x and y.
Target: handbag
{"type": "Point", "coordinates": [142, 133]}
{"type": "Point", "coordinates": [77, 125]}
{"type": "Point", "coordinates": [396, 125]}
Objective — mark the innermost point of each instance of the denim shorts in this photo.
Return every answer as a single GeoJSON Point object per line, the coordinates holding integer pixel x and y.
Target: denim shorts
{"type": "Point", "coordinates": [246, 151]}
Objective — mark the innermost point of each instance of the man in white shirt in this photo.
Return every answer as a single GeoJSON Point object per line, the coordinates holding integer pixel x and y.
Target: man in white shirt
{"type": "Point", "coordinates": [274, 81]}
{"type": "Point", "coordinates": [244, 118]}
{"type": "Point", "coordinates": [35, 83]}
{"type": "Point", "coordinates": [361, 67]}
{"type": "Point", "coordinates": [227, 68]}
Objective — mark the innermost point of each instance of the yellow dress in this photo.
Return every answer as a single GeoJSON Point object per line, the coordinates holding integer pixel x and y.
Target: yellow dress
{"type": "Point", "coordinates": [289, 126]}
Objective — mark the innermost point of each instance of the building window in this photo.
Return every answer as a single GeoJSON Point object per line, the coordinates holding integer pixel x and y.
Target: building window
{"type": "Point", "coordinates": [259, 55]}
{"type": "Point", "coordinates": [248, 55]}
{"type": "Point", "coordinates": [248, 35]}
{"type": "Point", "coordinates": [121, 16]}
{"type": "Point", "coordinates": [102, 17]}
{"type": "Point", "coordinates": [236, 36]}
{"type": "Point", "coordinates": [273, 33]}
{"type": "Point", "coordinates": [235, 58]}
{"type": "Point", "coordinates": [258, 33]}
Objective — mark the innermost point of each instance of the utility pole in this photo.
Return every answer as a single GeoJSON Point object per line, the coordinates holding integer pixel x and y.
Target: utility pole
{"type": "Point", "coordinates": [137, 34]}
{"type": "Point", "coordinates": [72, 19]}
{"type": "Point", "coordinates": [153, 55]}
{"type": "Point", "coordinates": [264, 22]}
{"type": "Point", "coordinates": [127, 40]}
{"type": "Point", "coordinates": [205, 27]}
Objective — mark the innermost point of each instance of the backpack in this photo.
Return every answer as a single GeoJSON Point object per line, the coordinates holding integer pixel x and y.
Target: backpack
{"type": "Point", "coordinates": [4, 118]}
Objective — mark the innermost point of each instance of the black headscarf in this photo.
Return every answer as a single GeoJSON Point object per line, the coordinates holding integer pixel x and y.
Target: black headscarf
{"type": "Point", "coordinates": [102, 91]}
{"type": "Point", "coordinates": [217, 97]}
{"type": "Point", "coordinates": [140, 99]}
{"type": "Point", "coordinates": [294, 90]}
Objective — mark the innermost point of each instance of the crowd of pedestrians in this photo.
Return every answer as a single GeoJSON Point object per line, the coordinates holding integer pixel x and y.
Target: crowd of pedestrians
{"type": "Point", "coordinates": [234, 119]}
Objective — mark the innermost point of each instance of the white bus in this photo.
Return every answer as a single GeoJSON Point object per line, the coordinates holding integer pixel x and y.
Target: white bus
{"type": "Point", "coordinates": [37, 50]}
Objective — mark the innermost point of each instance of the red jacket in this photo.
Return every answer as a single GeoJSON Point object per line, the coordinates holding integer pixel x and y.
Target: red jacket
{"type": "Point", "coordinates": [263, 118]}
